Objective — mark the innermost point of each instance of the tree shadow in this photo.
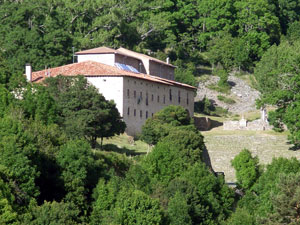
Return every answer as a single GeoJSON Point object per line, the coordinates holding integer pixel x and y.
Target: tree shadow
{"type": "Point", "coordinates": [203, 71]}
{"type": "Point", "coordinates": [294, 147]}
{"type": "Point", "coordinates": [121, 150]}
{"type": "Point", "coordinates": [231, 83]}
{"type": "Point", "coordinates": [206, 124]}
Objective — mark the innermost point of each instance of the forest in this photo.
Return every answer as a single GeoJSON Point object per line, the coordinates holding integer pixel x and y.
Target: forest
{"type": "Point", "coordinates": [53, 169]}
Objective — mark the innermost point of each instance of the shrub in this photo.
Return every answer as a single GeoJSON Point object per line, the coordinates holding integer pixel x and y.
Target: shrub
{"type": "Point", "coordinates": [225, 99]}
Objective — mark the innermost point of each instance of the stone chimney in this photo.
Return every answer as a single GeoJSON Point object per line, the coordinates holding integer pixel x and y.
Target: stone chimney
{"type": "Point", "coordinates": [28, 72]}
{"type": "Point", "coordinates": [168, 60]}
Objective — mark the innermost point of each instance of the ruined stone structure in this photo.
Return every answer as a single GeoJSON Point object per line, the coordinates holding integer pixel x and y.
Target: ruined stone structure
{"type": "Point", "coordinates": [243, 124]}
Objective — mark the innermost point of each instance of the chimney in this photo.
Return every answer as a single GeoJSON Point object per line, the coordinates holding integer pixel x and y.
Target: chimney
{"type": "Point", "coordinates": [28, 72]}
{"type": "Point", "coordinates": [168, 60]}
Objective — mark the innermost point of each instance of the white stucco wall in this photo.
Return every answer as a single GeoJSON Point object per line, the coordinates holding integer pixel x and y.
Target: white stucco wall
{"type": "Point", "coordinates": [161, 91]}
{"type": "Point", "coordinates": [108, 59]}
{"type": "Point", "coordinates": [111, 88]}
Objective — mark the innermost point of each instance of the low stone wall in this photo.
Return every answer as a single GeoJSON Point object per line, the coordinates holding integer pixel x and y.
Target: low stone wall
{"type": "Point", "coordinates": [244, 125]}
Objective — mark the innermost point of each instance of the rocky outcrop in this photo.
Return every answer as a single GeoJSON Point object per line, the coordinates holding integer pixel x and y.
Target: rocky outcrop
{"type": "Point", "coordinates": [241, 92]}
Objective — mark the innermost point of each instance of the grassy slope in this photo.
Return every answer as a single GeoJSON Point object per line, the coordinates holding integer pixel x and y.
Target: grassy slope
{"type": "Point", "coordinates": [122, 144]}
{"type": "Point", "coordinates": [223, 146]}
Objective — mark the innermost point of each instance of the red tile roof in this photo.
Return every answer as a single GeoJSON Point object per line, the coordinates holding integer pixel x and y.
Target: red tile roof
{"type": "Point", "coordinates": [121, 51]}
{"type": "Point", "coordinates": [104, 50]}
{"type": "Point", "coordinates": [101, 50]}
{"type": "Point", "coordinates": [142, 56]}
{"type": "Point", "coordinates": [91, 68]}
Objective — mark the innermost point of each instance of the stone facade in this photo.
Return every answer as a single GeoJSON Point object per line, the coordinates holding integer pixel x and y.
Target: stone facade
{"type": "Point", "coordinates": [137, 99]}
{"type": "Point", "coordinates": [161, 70]}
{"type": "Point", "coordinates": [144, 98]}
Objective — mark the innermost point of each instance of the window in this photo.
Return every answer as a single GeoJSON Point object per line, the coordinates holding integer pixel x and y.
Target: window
{"type": "Point", "coordinates": [128, 111]}
{"type": "Point", "coordinates": [152, 114]}
{"type": "Point", "coordinates": [178, 96]}
{"type": "Point", "coordinates": [134, 112]}
{"type": "Point", "coordinates": [146, 98]}
{"type": "Point", "coordinates": [134, 94]}
{"type": "Point", "coordinates": [141, 113]}
{"type": "Point", "coordinates": [157, 98]}
{"type": "Point", "coordinates": [128, 93]}
{"type": "Point", "coordinates": [170, 95]}
{"type": "Point", "coordinates": [152, 97]}
{"type": "Point", "coordinates": [164, 99]}
{"type": "Point", "coordinates": [187, 98]}
{"type": "Point", "coordinates": [146, 114]}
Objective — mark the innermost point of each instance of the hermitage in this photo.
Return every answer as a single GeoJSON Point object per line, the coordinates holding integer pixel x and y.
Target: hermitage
{"type": "Point", "coordinates": [140, 85]}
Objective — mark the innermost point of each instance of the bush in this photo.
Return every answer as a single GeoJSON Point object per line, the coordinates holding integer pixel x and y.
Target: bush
{"type": "Point", "coordinates": [225, 99]}
{"type": "Point", "coordinates": [206, 107]}
{"type": "Point", "coordinates": [247, 169]}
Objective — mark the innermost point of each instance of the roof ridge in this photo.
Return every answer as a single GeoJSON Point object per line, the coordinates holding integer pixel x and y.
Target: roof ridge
{"type": "Point", "coordinates": [91, 68]}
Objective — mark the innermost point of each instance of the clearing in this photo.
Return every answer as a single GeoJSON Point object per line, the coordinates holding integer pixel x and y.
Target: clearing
{"type": "Point", "coordinates": [223, 146]}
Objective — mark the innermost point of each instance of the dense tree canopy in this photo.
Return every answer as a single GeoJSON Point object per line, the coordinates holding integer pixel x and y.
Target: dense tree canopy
{"type": "Point", "coordinates": [83, 111]}
{"type": "Point", "coordinates": [277, 76]}
{"type": "Point", "coordinates": [50, 172]}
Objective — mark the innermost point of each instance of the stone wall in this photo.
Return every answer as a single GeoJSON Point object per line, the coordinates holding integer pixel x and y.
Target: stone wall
{"type": "Point", "coordinates": [202, 123]}
{"type": "Point", "coordinates": [142, 98]}
{"type": "Point", "coordinates": [245, 125]}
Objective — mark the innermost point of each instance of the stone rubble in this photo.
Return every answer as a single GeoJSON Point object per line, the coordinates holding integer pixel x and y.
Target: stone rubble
{"type": "Point", "coordinates": [241, 92]}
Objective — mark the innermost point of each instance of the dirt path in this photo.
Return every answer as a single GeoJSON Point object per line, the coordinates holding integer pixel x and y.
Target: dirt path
{"type": "Point", "coordinates": [223, 146]}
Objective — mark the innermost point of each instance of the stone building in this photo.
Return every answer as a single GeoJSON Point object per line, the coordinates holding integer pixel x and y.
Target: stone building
{"type": "Point", "coordinates": [139, 85]}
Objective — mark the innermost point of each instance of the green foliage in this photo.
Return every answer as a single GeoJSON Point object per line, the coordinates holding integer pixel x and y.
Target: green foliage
{"type": "Point", "coordinates": [105, 197]}
{"type": "Point", "coordinates": [83, 111]}
{"type": "Point", "coordinates": [223, 81]}
{"type": "Point", "coordinates": [139, 178]}
{"type": "Point", "coordinates": [221, 51]}
{"type": "Point", "coordinates": [117, 204]}
{"type": "Point", "coordinates": [286, 201]}
{"type": "Point", "coordinates": [215, 198]}
{"type": "Point", "coordinates": [113, 161]}
{"type": "Point", "coordinates": [259, 202]}
{"type": "Point", "coordinates": [225, 99]}
{"type": "Point", "coordinates": [223, 85]}
{"type": "Point", "coordinates": [7, 212]}
{"type": "Point", "coordinates": [293, 33]}
{"type": "Point", "coordinates": [278, 76]}
{"type": "Point", "coordinates": [6, 99]}
{"type": "Point", "coordinates": [171, 117]}
{"type": "Point", "coordinates": [54, 213]}
{"type": "Point", "coordinates": [178, 210]}
{"type": "Point", "coordinates": [186, 73]}
{"type": "Point", "coordinates": [241, 217]}
{"type": "Point", "coordinates": [173, 155]}
{"type": "Point", "coordinates": [204, 106]}
{"type": "Point", "coordinates": [38, 104]}
{"type": "Point", "coordinates": [75, 159]}
{"type": "Point", "coordinates": [18, 170]}
{"type": "Point", "coordinates": [135, 207]}
{"type": "Point", "coordinates": [247, 169]}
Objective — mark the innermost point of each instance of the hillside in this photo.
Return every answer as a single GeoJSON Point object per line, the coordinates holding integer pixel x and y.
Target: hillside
{"type": "Point", "coordinates": [241, 93]}
{"type": "Point", "coordinates": [222, 147]}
